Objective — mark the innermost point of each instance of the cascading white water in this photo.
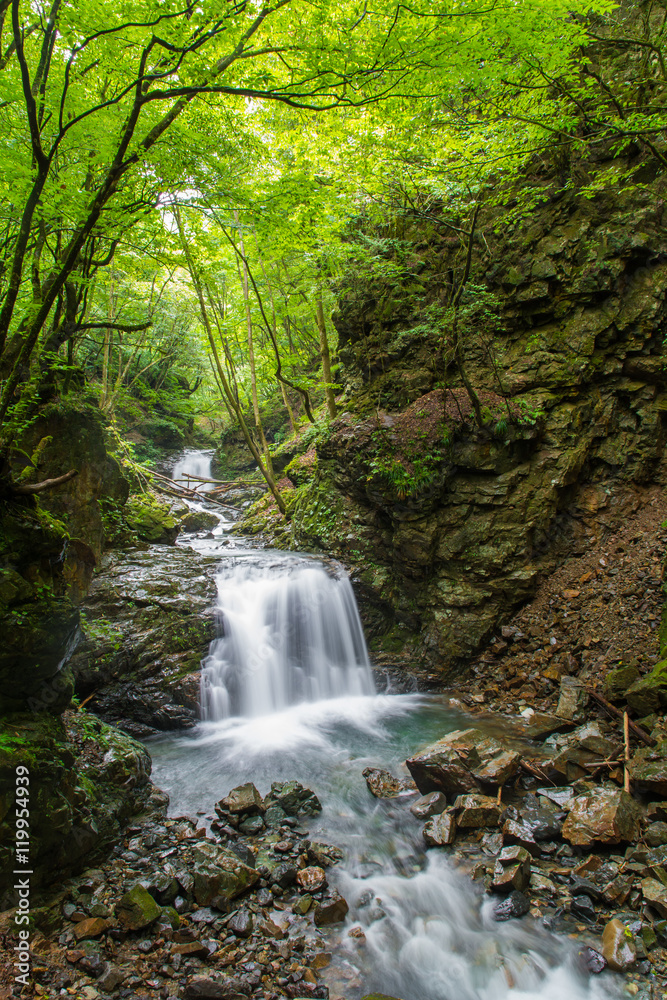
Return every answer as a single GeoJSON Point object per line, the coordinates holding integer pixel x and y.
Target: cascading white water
{"type": "Point", "coordinates": [194, 463]}
{"type": "Point", "coordinates": [290, 633]}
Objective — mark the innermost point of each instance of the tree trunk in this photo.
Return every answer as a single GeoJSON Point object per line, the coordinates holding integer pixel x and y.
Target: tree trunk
{"type": "Point", "coordinates": [325, 356]}
{"type": "Point", "coordinates": [251, 354]}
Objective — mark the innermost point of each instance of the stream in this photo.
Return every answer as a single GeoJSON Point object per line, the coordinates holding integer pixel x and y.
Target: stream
{"type": "Point", "coordinates": [288, 693]}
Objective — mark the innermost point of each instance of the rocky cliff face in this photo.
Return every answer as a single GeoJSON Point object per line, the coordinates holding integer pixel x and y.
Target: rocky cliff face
{"type": "Point", "coordinates": [449, 525]}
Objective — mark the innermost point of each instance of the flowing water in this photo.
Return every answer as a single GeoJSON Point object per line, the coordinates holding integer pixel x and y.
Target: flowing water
{"type": "Point", "coordinates": [288, 694]}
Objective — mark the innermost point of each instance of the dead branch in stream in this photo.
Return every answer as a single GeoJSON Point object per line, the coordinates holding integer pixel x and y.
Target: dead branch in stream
{"type": "Point", "coordinates": [608, 707]}
{"type": "Point", "coordinates": [162, 484]}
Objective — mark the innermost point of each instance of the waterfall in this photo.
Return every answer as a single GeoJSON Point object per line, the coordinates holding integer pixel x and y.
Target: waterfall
{"type": "Point", "coordinates": [194, 463]}
{"type": "Point", "coordinates": [289, 633]}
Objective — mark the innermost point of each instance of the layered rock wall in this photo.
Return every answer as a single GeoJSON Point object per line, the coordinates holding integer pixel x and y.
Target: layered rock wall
{"type": "Point", "coordinates": [448, 525]}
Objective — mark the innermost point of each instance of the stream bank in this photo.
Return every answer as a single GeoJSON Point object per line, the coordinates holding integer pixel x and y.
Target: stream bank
{"type": "Point", "coordinates": [231, 900]}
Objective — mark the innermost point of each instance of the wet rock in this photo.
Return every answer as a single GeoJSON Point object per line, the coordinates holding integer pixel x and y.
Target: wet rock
{"type": "Point", "coordinates": [243, 799]}
{"type": "Point", "coordinates": [461, 762]}
{"type": "Point", "coordinates": [515, 905]}
{"type": "Point", "coordinates": [531, 824]}
{"type": "Point", "coordinates": [137, 909]}
{"type": "Point", "coordinates": [617, 682]}
{"type": "Point", "coordinates": [655, 894]}
{"type": "Point", "coordinates": [618, 946]}
{"type": "Point", "coordinates": [91, 927]}
{"type": "Point", "coordinates": [382, 784]}
{"type": "Point", "coordinates": [592, 961]}
{"type": "Point", "coordinates": [304, 989]}
{"type": "Point", "coordinates": [294, 799]}
{"type": "Point", "coordinates": [605, 816]}
{"type": "Point", "coordinates": [497, 763]}
{"type": "Point", "coordinates": [252, 826]}
{"type": "Point", "coordinates": [582, 906]}
{"type": "Point", "coordinates": [198, 520]}
{"type": "Point", "coordinates": [243, 852]}
{"type": "Point", "coordinates": [151, 519]}
{"type": "Point", "coordinates": [284, 875]}
{"type": "Point", "coordinates": [202, 988]}
{"type": "Point", "coordinates": [475, 811]}
{"type": "Point", "coordinates": [330, 910]}
{"type": "Point", "coordinates": [219, 874]}
{"type": "Point", "coordinates": [512, 870]}
{"type": "Point", "coordinates": [241, 923]}
{"type": "Point", "coordinates": [573, 699]}
{"type": "Point", "coordinates": [443, 766]}
{"type": "Point", "coordinates": [648, 769]}
{"type": "Point", "coordinates": [190, 949]}
{"type": "Point", "coordinates": [324, 855]}
{"type": "Point", "coordinates": [110, 978]}
{"type": "Point", "coordinates": [429, 805]}
{"type": "Point", "coordinates": [441, 829]}
{"type": "Point", "coordinates": [649, 693]}
{"type": "Point", "coordinates": [302, 905]}
{"type": "Point", "coordinates": [311, 879]}
{"type": "Point", "coordinates": [274, 817]}
{"type": "Point", "coordinates": [561, 796]}
{"type": "Point", "coordinates": [269, 928]}
{"type": "Point", "coordinates": [655, 834]}
{"type": "Point", "coordinates": [542, 725]}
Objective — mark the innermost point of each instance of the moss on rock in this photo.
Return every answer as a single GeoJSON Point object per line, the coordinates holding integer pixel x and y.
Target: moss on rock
{"type": "Point", "coordinates": [86, 781]}
{"type": "Point", "coordinates": [151, 519]}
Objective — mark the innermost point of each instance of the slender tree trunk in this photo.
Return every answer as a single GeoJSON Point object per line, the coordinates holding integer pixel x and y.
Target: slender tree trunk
{"type": "Point", "coordinates": [229, 396]}
{"type": "Point", "coordinates": [286, 401]}
{"type": "Point", "coordinates": [325, 356]}
{"type": "Point", "coordinates": [251, 353]}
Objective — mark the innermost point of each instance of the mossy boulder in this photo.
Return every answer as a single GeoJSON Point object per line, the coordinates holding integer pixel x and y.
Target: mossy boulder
{"type": "Point", "coordinates": [137, 909]}
{"type": "Point", "coordinates": [151, 519]}
{"type": "Point", "coordinates": [617, 682]}
{"type": "Point", "coordinates": [649, 693]}
{"type": "Point", "coordinates": [86, 781]}
{"type": "Point", "coordinates": [198, 520]}
{"type": "Point", "coordinates": [75, 437]}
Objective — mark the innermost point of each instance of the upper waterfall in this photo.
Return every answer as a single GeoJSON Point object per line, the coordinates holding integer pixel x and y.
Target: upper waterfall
{"type": "Point", "coordinates": [290, 632]}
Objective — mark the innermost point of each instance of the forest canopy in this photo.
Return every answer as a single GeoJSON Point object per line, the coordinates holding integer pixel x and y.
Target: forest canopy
{"type": "Point", "coordinates": [180, 181]}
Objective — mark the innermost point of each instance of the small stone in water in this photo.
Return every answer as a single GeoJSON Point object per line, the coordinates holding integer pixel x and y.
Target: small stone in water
{"type": "Point", "coordinates": [330, 910]}
{"type": "Point", "coordinates": [618, 946]}
{"type": "Point", "coordinates": [302, 905]}
{"type": "Point", "coordinates": [440, 830]}
{"type": "Point", "coordinates": [283, 846]}
{"type": "Point", "coordinates": [515, 905]}
{"type": "Point", "coordinates": [252, 825]}
{"type": "Point", "coordinates": [311, 879]}
{"type": "Point", "coordinates": [429, 805]}
{"type": "Point", "coordinates": [592, 961]}
{"type": "Point", "coordinates": [283, 875]}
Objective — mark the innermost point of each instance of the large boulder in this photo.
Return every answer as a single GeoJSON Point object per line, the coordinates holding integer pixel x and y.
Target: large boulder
{"type": "Point", "coordinates": [87, 781]}
{"type": "Point", "coordinates": [151, 519]}
{"type": "Point", "coordinates": [463, 761]}
{"type": "Point", "coordinates": [148, 621]}
{"type": "Point", "coordinates": [219, 875]}
{"type": "Point", "coordinates": [602, 816]}
{"type": "Point", "coordinates": [137, 909]}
